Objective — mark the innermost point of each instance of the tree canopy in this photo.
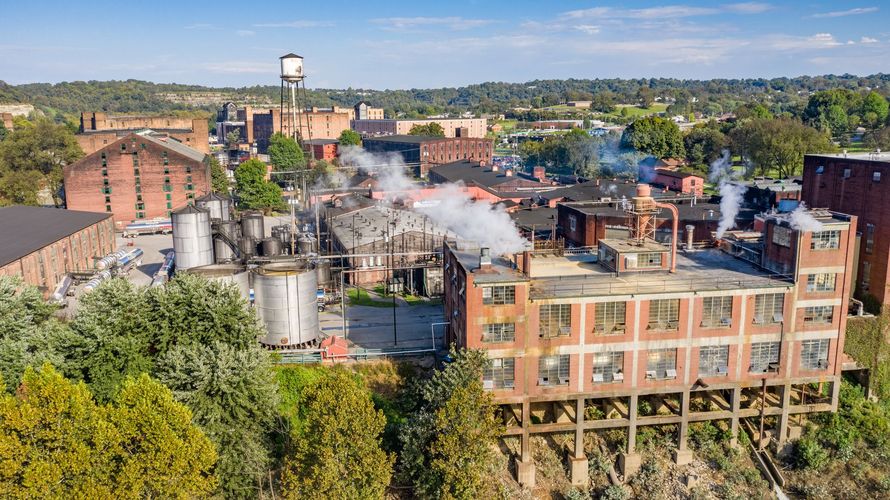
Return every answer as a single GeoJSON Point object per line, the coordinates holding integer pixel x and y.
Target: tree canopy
{"type": "Point", "coordinates": [777, 146]}
{"type": "Point", "coordinates": [254, 191]}
{"type": "Point", "coordinates": [219, 181]}
{"type": "Point", "coordinates": [656, 136]}
{"type": "Point", "coordinates": [350, 137]}
{"type": "Point", "coordinates": [285, 153]}
{"type": "Point", "coordinates": [431, 129]}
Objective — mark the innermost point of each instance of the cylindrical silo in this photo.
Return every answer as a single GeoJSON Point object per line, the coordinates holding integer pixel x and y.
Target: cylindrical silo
{"type": "Point", "coordinates": [226, 273]}
{"type": "Point", "coordinates": [306, 244]}
{"type": "Point", "coordinates": [192, 239]}
{"type": "Point", "coordinates": [216, 204]}
{"type": "Point", "coordinates": [284, 234]}
{"type": "Point", "coordinates": [286, 301]}
{"type": "Point", "coordinates": [271, 247]}
{"type": "Point", "coordinates": [226, 236]}
{"type": "Point", "coordinates": [252, 225]}
{"type": "Point", "coordinates": [323, 272]}
{"type": "Point", "coordinates": [248, 246]}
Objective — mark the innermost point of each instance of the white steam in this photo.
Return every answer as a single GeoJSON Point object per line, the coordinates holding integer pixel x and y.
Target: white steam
{"type": "Point", "coordinates": [731, 194]}
{"type": "Point", "coordinates": [476, 221]}
{"type": "Point", "coordinates": [801, 219]}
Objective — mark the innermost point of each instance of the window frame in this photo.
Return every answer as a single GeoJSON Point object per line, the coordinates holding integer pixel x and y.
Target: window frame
{"type": "Point", "coordinates": [814, 354]}
{"type": "Point", "coordinates": [498, 332]}
{"type": "Point", "coordinates": [711, 359]}
{"type": "Point", "coordinates": [763, 354]}
{"type": "Point", "coordinates": [556, 367]}
{"type": "Point", "coordinates": [765, 305]}
{"type": "Point", "coordinates": [560, 314]}
{"type": "Point", "coordinates": [615, 311]}
{"type": "Point", "coordinates": [499, 373]}
{"type": "Point", "coordinates": [663, 361]}
{"type": "Point", "coordinates": [499, 295]}
{"type": "Point", "coordinates": [664, 306]}
{"type": "Point", "coordinates": [608, 364]}
{"type": "Point", "coordinates": [829, 239]}
{"type": "Point", "coordinates": [717, 311]}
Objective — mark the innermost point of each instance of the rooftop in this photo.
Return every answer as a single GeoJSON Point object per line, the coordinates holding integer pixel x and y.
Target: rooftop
{"type": "Point", "coordinates": [675, 174]}
{"type": "Point", "coordinates": [605, 188]}
{"type": "Point", "coordinates": [28, 229]}
{"type": "Point", "coordinates": [406, 139]}
{"type": "Point", "coordinates": [172, 144]}
{"type": "Point", "coordinates": [687, 211]}
{"type": "Point", "coordinates": [471, 171]}
{"type": "Point", "coordinates": [372, 223]}
{"type": "Point", "coordinates": [870, 156]}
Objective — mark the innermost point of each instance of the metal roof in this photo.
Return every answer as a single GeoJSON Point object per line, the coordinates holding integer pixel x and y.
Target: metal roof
{"type": "Point", "coordinates": [471, 171]}
{"type": "Point", "coordinates": [24, 230]}
{"type": "Point", "coordinates": [173, 145]}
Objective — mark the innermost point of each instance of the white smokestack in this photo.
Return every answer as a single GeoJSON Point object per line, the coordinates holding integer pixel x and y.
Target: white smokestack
{"type": "Point", "coordinates": [730, 194]}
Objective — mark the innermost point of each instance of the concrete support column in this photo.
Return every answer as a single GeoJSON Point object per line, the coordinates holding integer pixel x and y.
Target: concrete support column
{"type": "Point", "coordinates": [578, 465]}
{"type": "Point", "coordinates": [683, 455]}
{"type": "Point", "coordinates": [525, 466]}
{"type": "Point", "coordinates": [630, 461]}
{"type": "Point", "coordinates": [735, 403]}
{"type": "Point", "coordinates": [835, 393]}
{"type": "Point", "coordinates": [782, 427]}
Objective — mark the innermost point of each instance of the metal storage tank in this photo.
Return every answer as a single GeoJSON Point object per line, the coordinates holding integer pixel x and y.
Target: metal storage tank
{"type": "Point", "coordinates": [248, 246]}
{"type": "Point", "coordinates": [271, 247]}
{"type": "Point", "coordinates": [226, 273]}
{"type": "Point", "coordinates": [222, 251]}
{"type": "Point", "coordinates": [283, 233]}
{"type": "Point", "coordinates": [323, 272]}
{"type": "Point", "coordinates": [306, 244]}
{"type": "Point", "coordinates": [192, 239]}
{"type": "Point", "coordinates": [286, 301]}
{"type": "Point", "coordinates": [216, 204]}
{"type": "Point", "coordinates": [252, 225]}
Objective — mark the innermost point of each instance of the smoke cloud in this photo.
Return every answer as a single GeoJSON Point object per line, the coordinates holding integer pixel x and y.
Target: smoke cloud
{"type": "Point", "coordinates": [731, 194]}
{"type": "Point", "coordinates": [475, 221]}
{"type": "Point", "coordinates": [801, 219]}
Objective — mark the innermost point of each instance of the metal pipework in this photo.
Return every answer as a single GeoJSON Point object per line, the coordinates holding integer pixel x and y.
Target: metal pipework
{"type": "Point", "coordinates": [675, 226]}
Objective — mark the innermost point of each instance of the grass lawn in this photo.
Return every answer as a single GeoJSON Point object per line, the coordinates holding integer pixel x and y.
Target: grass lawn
{"type": "Point", "coordinates": [635, 111]}
{"type": "Point", "coordinates": [359, 298]}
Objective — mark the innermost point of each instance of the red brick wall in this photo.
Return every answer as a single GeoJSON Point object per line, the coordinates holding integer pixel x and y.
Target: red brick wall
{"type": "Point", "coordinates": [84, 180]}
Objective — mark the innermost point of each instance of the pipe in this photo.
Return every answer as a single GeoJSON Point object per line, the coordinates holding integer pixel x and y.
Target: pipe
{"type": "Point", "coordinates": [675, 227]}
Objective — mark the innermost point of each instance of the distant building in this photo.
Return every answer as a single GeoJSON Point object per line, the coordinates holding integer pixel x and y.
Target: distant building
{"type": "Point", "coordinates": [579, 104]}
{"type": "Point", "coordinates": [767, 194]}
{"type": "Point", "coordinates": [475, 127]}
{"type": "Point", "coordinates": [363, 111]}
{"type": "Point", "coordinates": [605, 191]}
{"type": "Point", "coordinates": [677, 181]}
{"type": "Point", "coordinates": [98, 130]}
{"type": "Point", "coordinates": [424, 152]}
{"type": "Point", "coordinates": [323, 149]}
{"type": "Point", "coordinates": [490, 179]}
{"type": "Point", "coordinates": [258, 126]}
{"type": "Point", "coordinates": [43, 244]}
{"type": "Point", "coordinates": [557, 124]}
{"type": "Point", "coordinates": [137, 177]}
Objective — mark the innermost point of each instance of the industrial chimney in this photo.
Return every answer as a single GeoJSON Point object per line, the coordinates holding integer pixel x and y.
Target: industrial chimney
{"type": "Point", "coordinates": [484, 258]}
{"type": "Point", "coordinates": [690, 234]}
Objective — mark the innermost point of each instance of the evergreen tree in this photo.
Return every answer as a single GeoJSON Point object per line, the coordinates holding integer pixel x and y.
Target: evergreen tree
{"type": "Point", "coordinates": [350, 138]}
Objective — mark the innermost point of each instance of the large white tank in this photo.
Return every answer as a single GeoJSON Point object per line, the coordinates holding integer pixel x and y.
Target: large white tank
{"type": "Point", "coordinates": [286, 301]}
{"type": "Point", "coordinates": [192, 239]}
{"type": "Point", "coordinates": [226, 273]}
{"type": "Point", "coordinates": [216, 204]}
{"type": "Point", "coordinates": [291, 67]}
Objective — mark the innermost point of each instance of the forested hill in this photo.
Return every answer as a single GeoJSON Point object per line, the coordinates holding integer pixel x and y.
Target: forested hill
{"type": "Point", "coordinates": [70, 98]}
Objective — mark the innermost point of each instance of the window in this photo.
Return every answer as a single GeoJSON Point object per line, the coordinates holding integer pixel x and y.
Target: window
{"type": "Point", "coordinates": [876, 176]}
{"type": "Point", "coordinates": [138, 188]}
{"type": "Point", "coordinates": [610, 318]}
{"type": "Point", "coordinates": [497, 332]}
{"type": "Point", "coordinates": [820, 169]}
{"type": "Point", "coordinates": [104, 172]}
{"type": "Point", "coordinates": [107, 199]}
{"type": "Point", "coordinates": [818, 314]}
{"type": "Point", "coordinates": [108, 208]}
{"type": "Point", "coordinates": [553, 370]}
{"type": "Point", "coordinates": [764, 354]}
{"type": "Point", "coordinates": [123, 147]}
{"type": "Point", "coordinates": [188, 169]}
{"type": "Point", "coordinates": [136, 172]}
{"type": "Point", "coordinates": [188, 179]}
{"type": "Point", "coordinates": [769, 308]}
{"type": "Point", "coordinates": [166, 170]}
{"type": "Point", "coordinates": [190, 196]}
{"type": "Point", "coordinates": [661, 364]}
{"type": "Point", "coordinates": [105, 182]}
{"type": "Point", "coordinates": [168, 196]}
{"type": "Point", "coordinates": [168, 187]}
{"type": "Point", "coordinates": [166, 180]}
{"type": "Point", "coordinates": [498, 295]}
{"type": "Point", "coordinates": [106, 189]}
{"type": "Point", "coordinates": [608, 367]}
{"type": "Point", "coordinates": [573, 221]}
{"type": "Point", "coordinates": [869, 238]}
{"type": "Point", "coordinates": [713, 360]}
{"type": "Point", "coordinates": [138, 197]}
{"type": "Point", "coordinates": [189, 187]}
{"type": "Point", "coordinates": [782, 236]}
{"type": "Point", "coordinates": [555, 320]}
{"type": "Point", "coordinates": [499, 374]}
{"type": "Point", "coordinates": [169, 205]}
{"type": "Point", "coordinates": [140, 215]}
{"type": "Point", "coordinates": [847, 173]}
{"type": "Point", "coordinates": [140, 206]}
{"type": "Point", "coordinates": [866, 274]}
{"type": "Point", "coordinates": [814, 354]}
{"type": "Point", "coordinates": [717, 312]}
{"type": "Point", "coordinates": [664, 314]}
{"type": "Point", "coordinates": [645, 260]}
{"type": "Point", "coordinates": [822, 282]}
{"type": "Point", "coordinates": [825, 240]}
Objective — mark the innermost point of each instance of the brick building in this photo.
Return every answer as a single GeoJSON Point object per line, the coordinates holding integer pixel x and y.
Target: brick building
{"type": "Point", "coordinates": [677, 181]}
{"type": "Point", "coordinates": [98, 130]}
{"type": "Point", "coordinates": [856, 184]}
{"type": "Point", "coordinates": [627, 336]}
{"type": "Point", "coordinates": [422, 152]}
{"type": "Point", "coordinates": [323, 149]}
{"type": "Point", "coordinates": [137, 177]}
{"type": "Point", "coordinates": [767, 194]}
{"type": "Point", "coordinates": [42, 244]}
{"type": "Point", "coordinates": [475, 127]}
{"type": "Point", "coordinates": [258, 126]}
{"type": "Point", "coordinates": [489, 178]}
{"type": "Point", "coordinates": [364, 111]}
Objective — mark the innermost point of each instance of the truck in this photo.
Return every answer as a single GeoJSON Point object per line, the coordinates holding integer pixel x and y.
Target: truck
{"type": "Point", "coordinates": [154, 226]}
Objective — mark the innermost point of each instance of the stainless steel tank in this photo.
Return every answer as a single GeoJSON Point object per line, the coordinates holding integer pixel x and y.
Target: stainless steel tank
{"type": "Point", "coordinates": [271, 247]}
{"type": "Point", "coordinates": [227, 235]}
{"type": "Point", "coordinates": [192, 239]}
{"type": "Point", "coordinates": [248, 246]}
{"type": "Point", "coordinates": [216, 204]}
{"type": "Point", "coordinates": [286, 301]}
{"type": "Point", "coordinates": [283, 233]}
{"type": "Point", "coordinates": [306, 244]}
{"type": "Point", "coordinates": [323, 272]}
{"type": "Point", "coordinates": [226, 273]}
{"type": "Point", "coordinates": [252, 225]}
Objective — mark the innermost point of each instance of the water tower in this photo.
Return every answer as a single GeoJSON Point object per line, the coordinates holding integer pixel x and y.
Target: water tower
{"type": "Point", "coordinates": [293, 99]}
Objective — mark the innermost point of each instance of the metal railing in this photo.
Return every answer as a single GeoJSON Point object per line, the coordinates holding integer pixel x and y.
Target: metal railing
{"type": "Point", "coordinates": [574, 287]}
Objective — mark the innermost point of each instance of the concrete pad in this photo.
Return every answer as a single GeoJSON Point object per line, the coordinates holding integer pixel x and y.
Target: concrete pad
{"type": "Point", "coordinates": [578, 470]}
{"type": "Point", "coordinates": [525, 473]}
{"type": "Point", "coordinates": [629, 464]}
{"type": "Point", "coordinates": [682, 457]}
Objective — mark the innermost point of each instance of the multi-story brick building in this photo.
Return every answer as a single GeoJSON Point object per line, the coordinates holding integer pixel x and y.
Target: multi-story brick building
{"type": "Point", "coordinates": [364, 111]}
{"type": "Point", "coordinates": [475, 127]}
{"type": "Point", "coordinates": [42, 244]}
{"type": "Point", "coordinates": [423, 153]}
{"type": "Point", "coordinates": [138, 176]}
{"type": "Point", "coordinates": [678, 181]}
{"type": "Point", "coordinates": [625, 335]}
{"type": "Point", "coordinates": [98, 130]}
{"type": "Point", "coordinates": [258, 126]}
{"type": "Point", "coordinates": [857, 184]}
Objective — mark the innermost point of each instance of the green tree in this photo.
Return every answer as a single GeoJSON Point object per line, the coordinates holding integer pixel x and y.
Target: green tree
{"type": "Point", "coordinates": [232, 393]}
{"type": "Point", "coordinates": [254, 191]}
{"type": "Point", "coordinates": [219, 181]}
{"type": "Point", "coordinates": [431, 129]}
{"type": "Point", "coordinates": [233, 137]}
{"type": "Point", "coordinates": [704, 144]}
{"type": "Point", "coordinates": [285, 153]}
{"type": "Point", "coordinates": [449, 444]}
{"type": "Point", "coordinates": [3, 132]}
{"type": "Point", "coordinates": [39, 148]}
{"type": "Point", "coordinates": [656, 136]}
{"type": "Point", "coordinates": [874, 110]}
{"type": "Point", "coordinates": [645, 97]}
{"type": "Point", "coordinates": [777, 147]}
{"type": "Point", "coordinates": [879, 138]}
{"type": "Point", "coordinates": [337, 451]}
{"type": "Point", "coordinates": [350, 138]}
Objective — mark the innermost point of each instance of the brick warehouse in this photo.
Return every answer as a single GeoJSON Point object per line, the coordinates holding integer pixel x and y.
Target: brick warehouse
{"type": "Point", "coordinates": [857, 184]}
{"type": "Point", "coordinates": [624, 335]}
{"type": "Point", "coordinates": [97, 130]}
{"type": "Point", "coordinates": [422, 153]}
{"type": "Point", "coordinates": [137, 177]}
{"type": "Point", "coordinates": [49, 242]}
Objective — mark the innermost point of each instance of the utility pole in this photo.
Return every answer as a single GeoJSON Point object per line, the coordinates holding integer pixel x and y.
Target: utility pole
{"type": "Point", "coordinates": [395, 338]}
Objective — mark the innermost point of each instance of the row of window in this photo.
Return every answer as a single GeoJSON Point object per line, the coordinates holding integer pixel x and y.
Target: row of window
{"type": "Point", "coordinates": [848, 172]}
{"type": "Point", "coordinates": [661, 364]}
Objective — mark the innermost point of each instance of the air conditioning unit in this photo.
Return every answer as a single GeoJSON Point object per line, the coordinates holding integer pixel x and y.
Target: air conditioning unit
{"type": "Point", "coordinates": [772, 367]}
{"type": "Point", "coordinates": [673, 325]}
{"type": "Point", "coordinates": [618, 377]}
{"type": "Point", "coordinates": [779, 318]}
{"type": "Point", "coordinates": [758, 320]}
{"type": "Point", "coordinates": [727, 322]}
{"type": "Point", "coordinates": [650, 374]}
{"type": "Point", "coordinates": [563, 380]}
{"type": "Point", "coordinates": [823, 363]}
{"type": "Point", "coordinates": [508, 384]}
{"type": "Point", "coordinates": [670, 373]}
{"type": "Point", "coordinates": [721, 370]}
{"type": "Point", "coordinates": [543, 381]}
{"type": "Point", "coordinates": [598, 378]}
{"type": "Point", "coordinates": [488, 384]}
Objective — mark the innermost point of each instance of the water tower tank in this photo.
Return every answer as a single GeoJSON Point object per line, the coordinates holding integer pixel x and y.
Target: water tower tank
{"type": "Point", "coordinates": [216, 204]}
{"type": "Point", "coordinates": [226, 273]}
{"type": "Point", "coordinates": [252, 225]}
{"type": "Point", "coordinates": [291, 67]}
{"type": "Point", "coordinates": [286, 302]}
{"type": "Point", "coordinates": [192, 239]}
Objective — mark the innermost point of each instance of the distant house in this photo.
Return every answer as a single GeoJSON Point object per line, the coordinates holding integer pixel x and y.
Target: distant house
{"type": "Point", "coordinates": [677, 181]}
{"type": "Point", "coordinates": [670, 163]}
{"type": "Point", "coordinates": [579, 104]}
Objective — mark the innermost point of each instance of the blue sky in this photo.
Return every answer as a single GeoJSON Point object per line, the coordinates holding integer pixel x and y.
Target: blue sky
{"type": "Point", "coordinates": [405, 44]}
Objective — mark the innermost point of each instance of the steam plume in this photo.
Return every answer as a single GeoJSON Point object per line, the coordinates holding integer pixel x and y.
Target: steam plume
{"type": "Point", "coordinates": [801, 219]}
{"type": "Point", "coordinates": [730, 194]}
{"type": "Point", "coordinates": [388, 167]}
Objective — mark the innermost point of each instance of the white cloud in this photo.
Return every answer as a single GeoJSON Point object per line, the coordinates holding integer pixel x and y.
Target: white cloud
{"type": "Point", "coordinates": [850, 12]}
{"type": "Point", "coordinates": [588, 29]}
{"type": "Point", "coordinates": [866, 39]}
{"type": "Point", "coordinates": [797, 43]}
{"type": "Point", "coordinates": [201, 26]}
{"type": "Point", "coordinates": [450, 22]}
{"type": "Point", "coordinates": [296, 24]}
{"type": "Point", "coordinates": [245, 33]}
{"type": "Point", "coordinates": [748, 7]}
{"type": "Point", "coordinates": [241, 67]}
{"type": "Point", "coordinates": [667, 11]}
